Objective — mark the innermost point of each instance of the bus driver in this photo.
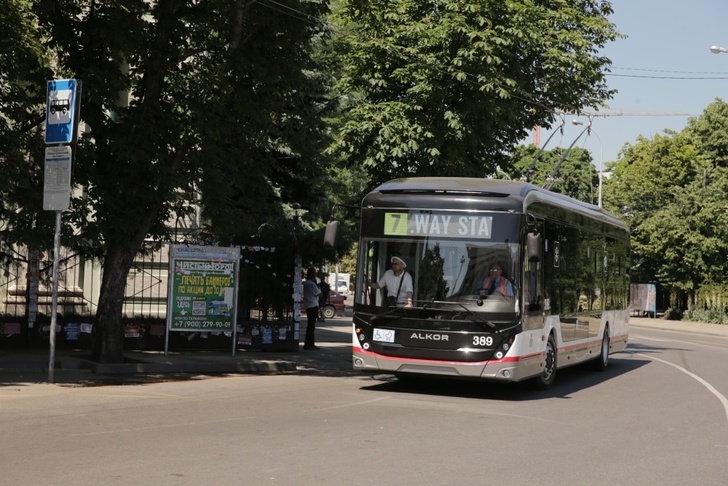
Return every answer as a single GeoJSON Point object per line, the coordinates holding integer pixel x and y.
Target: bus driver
{"type": "Point", "coordinates": [398, 283]}
{"type": "Point", "coordinates": [496, 282]}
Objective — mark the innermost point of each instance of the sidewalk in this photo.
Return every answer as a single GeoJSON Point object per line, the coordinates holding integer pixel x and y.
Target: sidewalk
{"type": "Point", "coordinates": [683, 326]}
{"type": "Point", "coordinates": [74, 367]}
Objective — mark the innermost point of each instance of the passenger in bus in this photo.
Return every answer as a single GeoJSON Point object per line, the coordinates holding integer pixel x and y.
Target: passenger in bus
{"type": "Point", "coordinates": [496, 283]}
{"type": "Point", "coordinates": [398, 283]}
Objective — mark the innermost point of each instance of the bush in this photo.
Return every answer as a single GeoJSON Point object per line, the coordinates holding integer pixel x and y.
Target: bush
{"type": "Point", "coordinates": [673, 314]}
{"type": "Point", "coordinates": [713, 316]}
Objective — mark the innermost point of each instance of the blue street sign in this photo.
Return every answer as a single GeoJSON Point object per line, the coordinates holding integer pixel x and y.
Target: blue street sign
{"type": "Point", "coordinates": [62, 107]}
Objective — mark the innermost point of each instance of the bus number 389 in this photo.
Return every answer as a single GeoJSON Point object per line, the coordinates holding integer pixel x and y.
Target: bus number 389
{"type": "Point", "coordinates": [482, 340]}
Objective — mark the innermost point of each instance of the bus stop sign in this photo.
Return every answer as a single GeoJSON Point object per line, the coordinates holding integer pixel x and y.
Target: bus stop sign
{"type": "Point", "coordinates": [57, 178]}
{"type": "Point", "coordinates": [62, 111]}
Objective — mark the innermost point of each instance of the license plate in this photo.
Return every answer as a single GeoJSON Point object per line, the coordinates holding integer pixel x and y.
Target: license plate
{"type": "Point", "coordinates": [384, 335]}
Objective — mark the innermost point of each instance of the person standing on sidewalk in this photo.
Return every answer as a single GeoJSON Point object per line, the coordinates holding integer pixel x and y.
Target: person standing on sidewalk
{"type": "Point", "coordinates": [323, 296]}
{"type": "Point", "coordinates": [311, 292]}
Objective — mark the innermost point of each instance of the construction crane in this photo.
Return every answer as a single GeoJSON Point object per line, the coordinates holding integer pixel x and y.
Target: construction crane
{"type": "Point", "coordinates": [596, 114]}
{"type": "Point", "coordinates": [606, 113]}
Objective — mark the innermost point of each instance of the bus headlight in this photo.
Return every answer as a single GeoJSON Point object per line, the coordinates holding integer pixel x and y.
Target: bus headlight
{"type": "Point", "coordinates": [506, 345]}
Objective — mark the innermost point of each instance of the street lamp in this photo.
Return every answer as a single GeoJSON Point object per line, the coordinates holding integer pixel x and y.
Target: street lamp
{"type": "Point", "coordinates": [590, 130]}
{"type": "Point", "coordinates": [718, 50]}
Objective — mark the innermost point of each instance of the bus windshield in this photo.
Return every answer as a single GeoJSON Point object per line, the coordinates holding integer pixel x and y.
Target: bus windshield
{"type": "Point", "coordinates": [479, 275]}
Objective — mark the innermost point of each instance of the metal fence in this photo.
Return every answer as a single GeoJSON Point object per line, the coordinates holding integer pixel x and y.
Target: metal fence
{"type": "Point", "coordinates": [265, 293]}
{"type": "Point", "coordinates": [79, 282]}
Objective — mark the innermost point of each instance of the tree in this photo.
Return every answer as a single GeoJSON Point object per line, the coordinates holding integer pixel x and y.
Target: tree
{"type": "Point", "coordinates": [449, 87]}
{"type": "Point", "coordinates": [24, 69]}
{"type": "Point", "coordinates": [671, 190]}
{"type": "Point", "coordinates": [643, 187]}
{"type": "Point", "coordinates": [215, 103]}
{"type": "Point", "coordinates": [431, 281]}
{"type": "Point", "coordinates": [570, 173]}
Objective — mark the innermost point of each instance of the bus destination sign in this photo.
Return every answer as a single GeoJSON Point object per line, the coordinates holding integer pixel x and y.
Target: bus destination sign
{"type": "Point", "coordinates": [432, 224]}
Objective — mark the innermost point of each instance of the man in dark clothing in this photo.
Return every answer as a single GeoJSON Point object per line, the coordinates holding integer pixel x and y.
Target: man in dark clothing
{"type": "Point", "coordinates": [323, 296]}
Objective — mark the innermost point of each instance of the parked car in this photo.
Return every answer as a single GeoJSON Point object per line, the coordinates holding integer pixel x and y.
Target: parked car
{"type": "Point", "coordinates": [341, 287]}
{"type": "Point", "coordinates": [335, 304]}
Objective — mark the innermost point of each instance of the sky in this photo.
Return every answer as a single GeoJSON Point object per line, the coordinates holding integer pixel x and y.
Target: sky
{"type": "Point", "coordinates": [663, 70]}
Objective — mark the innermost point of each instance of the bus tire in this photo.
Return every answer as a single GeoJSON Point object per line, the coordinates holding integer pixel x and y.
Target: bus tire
{"type": "Point", "coordinates": [602, 361]}
{"type": "Point", "coordinates": [548, 375]}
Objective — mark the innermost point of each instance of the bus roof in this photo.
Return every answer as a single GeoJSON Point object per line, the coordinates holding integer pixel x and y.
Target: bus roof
{"type": "Point", "coordinates": [463, 192]}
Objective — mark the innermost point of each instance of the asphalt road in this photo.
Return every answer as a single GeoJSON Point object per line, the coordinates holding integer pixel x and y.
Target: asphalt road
{"type": "Point", "coordinates": [658, 415]}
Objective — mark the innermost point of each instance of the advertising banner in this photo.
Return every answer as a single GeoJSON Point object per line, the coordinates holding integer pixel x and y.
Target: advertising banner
{"type": "Point", "coordinates": [203, 288]}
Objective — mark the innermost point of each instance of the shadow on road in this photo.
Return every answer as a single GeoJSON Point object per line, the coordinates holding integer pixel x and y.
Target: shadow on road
{"type": "Point", "coordinates": [568, 381]}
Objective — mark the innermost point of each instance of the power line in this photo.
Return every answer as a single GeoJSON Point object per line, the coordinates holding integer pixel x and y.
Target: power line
{"type": "Point", "coordinates": [698, 75]}
{"type": "Point", "coordinates": [666, 77]}
{"type": "Point", "coordinates": [722, 73]}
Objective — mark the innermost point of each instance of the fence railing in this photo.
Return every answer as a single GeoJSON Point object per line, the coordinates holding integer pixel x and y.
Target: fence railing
{"type": "Point", "coordinates": [265, 285]}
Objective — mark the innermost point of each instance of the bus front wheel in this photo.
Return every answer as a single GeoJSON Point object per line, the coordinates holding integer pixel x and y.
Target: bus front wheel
{"type": "Point", "coordinates": [548, 374]}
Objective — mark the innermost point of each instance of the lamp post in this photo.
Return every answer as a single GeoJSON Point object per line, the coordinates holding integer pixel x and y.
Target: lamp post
{"type": "Point", "coordinates": [718, 50]}
{"type": "Point", "coordinates": [590, 131]}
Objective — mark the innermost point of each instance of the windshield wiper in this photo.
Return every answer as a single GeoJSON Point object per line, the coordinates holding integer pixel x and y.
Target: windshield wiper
{"type": "Point", "coordinates": [477, 316]}
{"type": "Point", "coordinates": [388, 315]}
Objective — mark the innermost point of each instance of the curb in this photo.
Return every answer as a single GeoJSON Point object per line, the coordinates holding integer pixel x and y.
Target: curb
{"type": "Point", "coordinates": [201, 367]}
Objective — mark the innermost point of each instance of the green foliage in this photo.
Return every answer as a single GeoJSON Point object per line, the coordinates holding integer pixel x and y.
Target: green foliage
{"type": "Point", "coordinates": [449, 87]}
{"type": "Point", "coordinates": [576, 175]}
{"type": "Point", "coordinates": [713, 316]}
{"type": "Point", "coordinates": [672, 314]}
{"type": "Point", "coordinates": [671, 190]}
{"type": "Point", "coordinates": [218, 104]}
{"type": "Point", "coordinates": [431, 278]}
{"type": "Point", "coordinates": [24, 70]}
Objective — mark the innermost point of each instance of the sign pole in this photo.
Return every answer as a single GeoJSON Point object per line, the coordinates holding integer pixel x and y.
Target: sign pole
{"type": "Point", "coordinates": [63, 110]}
{"type": "Point", "coordinates": [54, 304]}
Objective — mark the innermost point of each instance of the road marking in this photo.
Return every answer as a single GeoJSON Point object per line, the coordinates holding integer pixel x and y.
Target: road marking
{"type": "Point", "coordinates": [343, 405]}
{"type": "Point", "coordinates": [645, 338]}
{"type": "Point", "coordinates": [160, 426]}
{"type": "Point", "coordinates": [680, 341]}
{"type": "Point", "coordinates": [707, 385]}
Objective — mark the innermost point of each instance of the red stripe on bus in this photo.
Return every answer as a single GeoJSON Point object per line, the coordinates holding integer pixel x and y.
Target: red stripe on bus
{"type": "Point", "coordinates": [507, 359]}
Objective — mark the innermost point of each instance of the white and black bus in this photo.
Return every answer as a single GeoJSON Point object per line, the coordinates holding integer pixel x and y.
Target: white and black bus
{"type": "Point", "coordinates": [565, 301]}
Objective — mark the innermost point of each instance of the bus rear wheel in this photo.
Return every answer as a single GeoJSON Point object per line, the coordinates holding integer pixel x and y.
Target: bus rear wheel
{"type": "Point", "coordinates": [548, 374]}
{"type": "Point", "coordinates": [602, 361]}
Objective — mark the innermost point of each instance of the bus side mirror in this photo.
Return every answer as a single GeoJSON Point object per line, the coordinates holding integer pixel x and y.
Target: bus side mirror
{"type": "Point", "coordinates": [533, 247]}
{"type": "Point", "coordinates": [332, 230]}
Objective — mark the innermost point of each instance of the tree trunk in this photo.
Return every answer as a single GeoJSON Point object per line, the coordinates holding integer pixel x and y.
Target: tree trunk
{"type": "Point", "coordinates": [108, 328]}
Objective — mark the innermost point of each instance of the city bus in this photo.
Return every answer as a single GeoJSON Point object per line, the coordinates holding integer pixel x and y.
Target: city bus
{"type": "Point", "coordinates": [566, 263]}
